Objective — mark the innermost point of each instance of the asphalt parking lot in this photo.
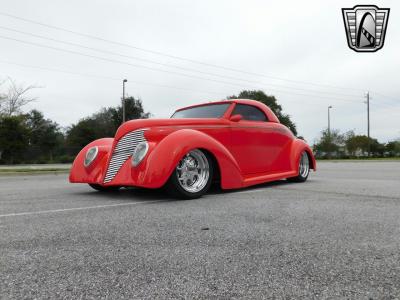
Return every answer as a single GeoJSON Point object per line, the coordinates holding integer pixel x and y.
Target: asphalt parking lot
{"type": "Point", "coordinates": [335, 236]}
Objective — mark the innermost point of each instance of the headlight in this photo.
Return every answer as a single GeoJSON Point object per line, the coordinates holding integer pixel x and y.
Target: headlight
{"type": "Point", "coordinates": [91, 154]}
{"type": "Point", "coordinates": [139, 153]}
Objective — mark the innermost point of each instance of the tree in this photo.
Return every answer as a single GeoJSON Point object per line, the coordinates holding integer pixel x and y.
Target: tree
{"type": "Point", "coordinates": [82, 133]}
{"type": "Point", "coordinates": [2, 98]}
{"type": "Point", "coordinates": [133, 110]}
{"type": "Point", "coordinates": [44, 134]}
{"type": "Point", "coordinates": [377, 149]}
{"type": "Point", "coordinates": [103, 123]}
{"type": "Point", "coordinates": [357, 145]}
{"type": "Point", "coordinates": [330, 144]}
{"type": "Point", "coordinates": [393, 148]}
{"type": "Point", "coordinates": [14, 138]}
{"type": "Point", "coordinates": [15, 98]}
{"type": "Point", "coordinates": [272, 103]}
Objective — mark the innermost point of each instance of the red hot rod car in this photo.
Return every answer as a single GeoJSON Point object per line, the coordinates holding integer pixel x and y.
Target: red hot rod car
{"type": "Point", "coordinates": [237, 143]}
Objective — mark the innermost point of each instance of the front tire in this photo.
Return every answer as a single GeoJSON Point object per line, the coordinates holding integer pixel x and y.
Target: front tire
{"type": "Point", "coordinates": [192, 177]}
{"type": "Point", "coordinates": [304, 168]}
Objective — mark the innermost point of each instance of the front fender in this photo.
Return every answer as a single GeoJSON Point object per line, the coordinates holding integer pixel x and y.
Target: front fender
{"type": "Point", "coordinates": [169, 151]}
{"type": "Point", "coordinates": [95, 172]}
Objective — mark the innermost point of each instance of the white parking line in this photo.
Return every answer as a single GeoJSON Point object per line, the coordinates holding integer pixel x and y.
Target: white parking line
{"type": "Point", "coordinates": [76, 208]}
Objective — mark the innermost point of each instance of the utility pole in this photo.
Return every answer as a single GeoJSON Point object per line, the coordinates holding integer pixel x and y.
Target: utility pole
{"type": "Point", "coordinates": [123, 100]}
{"type": "Point", "coordinates": [329, 131]}
{"type": "Point", "coordinates": [369, 142]}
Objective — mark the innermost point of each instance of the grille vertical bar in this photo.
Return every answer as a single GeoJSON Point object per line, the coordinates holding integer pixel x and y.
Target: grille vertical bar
{"type": "Point", "coordinates": [122, 151]}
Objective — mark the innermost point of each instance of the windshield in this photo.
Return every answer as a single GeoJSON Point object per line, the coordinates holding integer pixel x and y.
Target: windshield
{"type": "Point", "coordinates": [204, 111]}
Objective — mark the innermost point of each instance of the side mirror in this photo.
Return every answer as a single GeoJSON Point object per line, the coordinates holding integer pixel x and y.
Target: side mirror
{"type": "Point", "coordinates": [236, 118]}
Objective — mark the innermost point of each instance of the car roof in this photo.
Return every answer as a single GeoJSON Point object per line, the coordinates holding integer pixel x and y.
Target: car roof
{"type": "Point", "coordinates": [271, 116]}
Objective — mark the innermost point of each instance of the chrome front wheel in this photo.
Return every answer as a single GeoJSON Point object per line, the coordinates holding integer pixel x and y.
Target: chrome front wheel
{"type": "Point", "coordinates": [192, 176]}
{"type": "Point", "coordinates": [193, 171]}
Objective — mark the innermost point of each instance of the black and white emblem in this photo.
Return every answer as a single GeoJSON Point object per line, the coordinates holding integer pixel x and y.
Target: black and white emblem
{"type": "Point", "coordinates": [365, 27]}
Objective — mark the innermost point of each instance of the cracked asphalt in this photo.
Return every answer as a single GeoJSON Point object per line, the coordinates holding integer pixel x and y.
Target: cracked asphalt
{"type": "Point", "coordinates": [336, 236]}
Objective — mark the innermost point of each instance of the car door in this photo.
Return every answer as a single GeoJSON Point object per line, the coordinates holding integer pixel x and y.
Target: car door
{"type": "Point", "coordinates": [258, 144]}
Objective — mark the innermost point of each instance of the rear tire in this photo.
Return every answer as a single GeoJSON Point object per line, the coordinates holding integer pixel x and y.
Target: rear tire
{"type": "Point", "coordinates": [102, 188]}
{"type": "Point", "coordinates": [304, 169]}
{"type": "Point", "coordinates": [192, 177]}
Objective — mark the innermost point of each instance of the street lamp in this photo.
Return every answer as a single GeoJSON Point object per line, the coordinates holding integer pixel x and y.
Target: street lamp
{"type": "Point", "coordinates": [123, 100]}
{"type": "Point", "coordinates": [329, 131]}
{"type": "Point", "coordinates": [329, 121]}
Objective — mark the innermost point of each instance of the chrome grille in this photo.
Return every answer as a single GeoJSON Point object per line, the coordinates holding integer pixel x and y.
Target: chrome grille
{"type": "Point", "coordinates": [122, 151]}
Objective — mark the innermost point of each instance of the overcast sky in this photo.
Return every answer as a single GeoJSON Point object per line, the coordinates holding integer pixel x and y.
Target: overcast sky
{"type": "Point", "coordinates": [302, 41]}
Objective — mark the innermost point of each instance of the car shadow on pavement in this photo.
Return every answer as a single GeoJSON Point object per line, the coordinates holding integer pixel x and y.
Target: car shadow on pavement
{"type": "Point", "coordinates": [142, 194]}
{"type": "Point", "coordinates": [215, 190]}
{"type": "Point", "coordinates": [128, 194]}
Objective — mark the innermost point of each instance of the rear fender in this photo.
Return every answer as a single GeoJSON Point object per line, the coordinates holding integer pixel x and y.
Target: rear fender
{"type": "Point", "coordinates": [298, 147]}
{"type": "Point", "coordinates": [168, 152]}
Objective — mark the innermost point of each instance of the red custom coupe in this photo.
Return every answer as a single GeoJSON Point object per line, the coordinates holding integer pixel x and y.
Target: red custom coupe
{"type": "Point", "coordinates": [236, 143]}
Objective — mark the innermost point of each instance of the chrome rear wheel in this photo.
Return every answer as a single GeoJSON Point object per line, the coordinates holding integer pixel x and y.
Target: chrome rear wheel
{"type": "Point", "coordinates": [303, 168]}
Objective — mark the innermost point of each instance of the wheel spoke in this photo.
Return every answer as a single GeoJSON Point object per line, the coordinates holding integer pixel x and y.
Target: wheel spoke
{"type": "Point", "coordinates": [193, 171]}
{"type": "Point", "coordinates": [304, 166]}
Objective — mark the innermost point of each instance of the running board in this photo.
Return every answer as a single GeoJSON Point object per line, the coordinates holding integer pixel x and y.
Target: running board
{"type": "Point", "coordinates": [259, 178]}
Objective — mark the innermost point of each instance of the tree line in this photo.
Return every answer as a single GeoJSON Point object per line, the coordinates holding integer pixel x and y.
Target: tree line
{"type": "Point", "coordinates": [32, 138]}
{"type": "Point", "coordinates": [335, 144]}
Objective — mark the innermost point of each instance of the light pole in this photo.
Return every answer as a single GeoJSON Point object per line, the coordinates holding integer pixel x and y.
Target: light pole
{"type": "Point", "coordinates": [123, 100]}
{"type": "Point", "coordinates": [369, 141]}
{"type": "Point", "coordinates": [329, 131]}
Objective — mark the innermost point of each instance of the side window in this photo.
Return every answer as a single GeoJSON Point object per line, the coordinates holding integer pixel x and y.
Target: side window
{"type": "Point", "coordinates": [250, 113]}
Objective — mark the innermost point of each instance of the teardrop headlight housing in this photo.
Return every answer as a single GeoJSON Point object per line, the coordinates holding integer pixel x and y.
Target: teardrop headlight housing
{"type": "Point", "coordinates": [139, 153]}
{"type": "Point", "coordinates": [91, 155]}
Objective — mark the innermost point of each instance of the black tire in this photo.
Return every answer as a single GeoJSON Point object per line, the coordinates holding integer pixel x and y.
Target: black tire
{"type": "Point", "coordinates": [303, 174]}
{"type": "Point", "coordinates": [101, 188]}
{"type": "Point", "coordinates": [175, 189]}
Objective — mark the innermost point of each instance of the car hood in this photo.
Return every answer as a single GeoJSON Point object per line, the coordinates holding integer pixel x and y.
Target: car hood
{"type": "Point", "coordinates": [151, 123]}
